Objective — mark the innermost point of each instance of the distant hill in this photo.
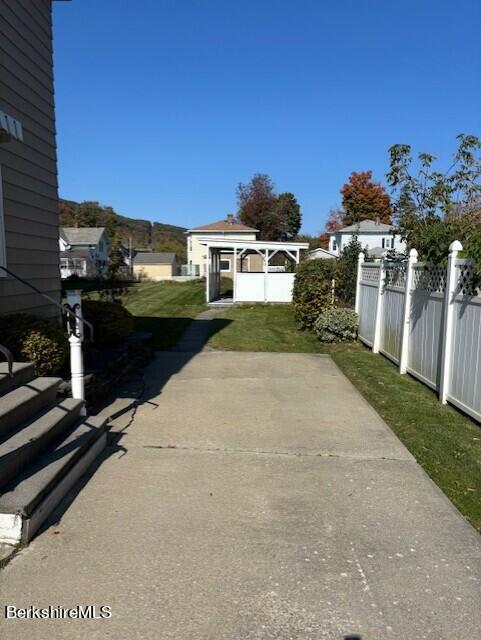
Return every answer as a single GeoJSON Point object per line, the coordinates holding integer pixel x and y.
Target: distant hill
{"type": "Point", "coordinates": [157, 236]}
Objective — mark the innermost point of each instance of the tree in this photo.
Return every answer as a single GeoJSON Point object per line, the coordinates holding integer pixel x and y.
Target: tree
{"type": "Point", "coordinates": [433, 208]}
{"type": "Point", "coordinates": [335, 221]}
{"type": "Point", "coordinates": [346, 272]}
{"type": "Point", "coordinates": [278, 217]}
{"type": "Point", "coordinates": [116, 258]}
{"type": "Point", "coordinates": [363, 199]}
{"type": "Point", "coordinates": [88, 214]}
{"type": "Point", "coordinates": [315, 242]}
{"type": "Point", "coordinates": [289, 212]}
{"type": "Point", "coordinates": [256, 201]}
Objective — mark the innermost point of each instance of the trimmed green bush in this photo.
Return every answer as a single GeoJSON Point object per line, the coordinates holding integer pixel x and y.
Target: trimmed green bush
{"type": "Point", "coordinates": [33, 339]}
{"type": "Point", "coordinates": [111, 321]}
{"type": "Point", "coordinates": [312, 292]}
{"type": "Point", "coordinates": [337, 325]}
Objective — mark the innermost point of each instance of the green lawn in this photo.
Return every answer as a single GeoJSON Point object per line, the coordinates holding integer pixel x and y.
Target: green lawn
{"type": "Point", "coordinates": [165, 308]}
{"type": "Point", "coordinates": [446, 443]}
{"type": "Point", "coordinates": [261, 328]}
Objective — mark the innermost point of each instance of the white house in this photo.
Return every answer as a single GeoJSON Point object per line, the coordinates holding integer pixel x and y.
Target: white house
{"type": "Point", "coordinates": [84, 251]}
{"type": "Point", "coordinates": [376, 237]}
{"type": "Point", "coordinates": [227, 229]}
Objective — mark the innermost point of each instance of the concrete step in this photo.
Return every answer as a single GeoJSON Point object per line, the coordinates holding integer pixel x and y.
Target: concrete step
{"type": "Point", "coordinates": [20, 449]}
{"type": "Point", "coordinates": [23, 372]}
{"type": "Point", "coordinates": [32, 496]}
{"type": "Point", "coordinates": [19, 405]}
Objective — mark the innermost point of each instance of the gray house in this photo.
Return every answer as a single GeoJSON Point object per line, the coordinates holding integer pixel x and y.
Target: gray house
{"type": "Point", "coordinates": [84, 252]}
{"type": "Point", "coordinates": [28, 159]}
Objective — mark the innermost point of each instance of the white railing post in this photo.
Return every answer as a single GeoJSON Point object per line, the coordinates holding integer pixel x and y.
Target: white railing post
{"type": "Point", "coordinates": [447, 336]}
{"type": "Point", "coordinates": [76, 328]}
{"type": "Point", "coordinates": [403, 356]}
{"type": "Point", "coordinates": [360, 261]}
{"type": "Point", "coordinates": [376, 343]}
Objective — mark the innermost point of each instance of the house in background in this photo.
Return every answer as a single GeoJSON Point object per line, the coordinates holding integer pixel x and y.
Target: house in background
{"type": "Point", "coordinates": [153, 265]}
{"type": "Point", "coordinates": [84, 252]}
{"type": "Point", "coordinates": [320, 254]}
{"type": "Point", "coordinates": [374, 236]}
{"type": "Point", "coordinates": [227, 229]}
{"type": "Point", "coordinates": [28, 159]}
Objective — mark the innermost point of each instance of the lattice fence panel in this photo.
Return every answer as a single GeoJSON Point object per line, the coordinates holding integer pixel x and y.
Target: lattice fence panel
{"type": "Point", "coordinates": [429, 278]}
{"type": "Point", "coordinates": [396, 274]}
{"type": "Point", "coordinates": [467, 286]}
{"type": "Point", "coordinates": [370, 273]}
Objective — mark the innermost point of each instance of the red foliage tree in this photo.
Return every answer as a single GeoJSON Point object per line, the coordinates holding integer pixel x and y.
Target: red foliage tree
{"type": "Point", "coordinates": [363, 199]}
{"type": "Point", "coordinates": [335, 220]}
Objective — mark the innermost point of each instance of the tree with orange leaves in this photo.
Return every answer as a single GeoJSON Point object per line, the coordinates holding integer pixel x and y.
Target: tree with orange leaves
{"type": "Point", "coordinates": [363, 199]}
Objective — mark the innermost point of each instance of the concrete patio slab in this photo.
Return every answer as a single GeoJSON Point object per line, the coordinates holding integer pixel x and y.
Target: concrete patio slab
{"type": "Point", "coordinates": [212, 538]}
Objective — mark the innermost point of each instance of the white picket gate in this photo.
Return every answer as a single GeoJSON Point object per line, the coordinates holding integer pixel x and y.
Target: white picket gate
{"type": "Point", "coordinates": [426, 319]}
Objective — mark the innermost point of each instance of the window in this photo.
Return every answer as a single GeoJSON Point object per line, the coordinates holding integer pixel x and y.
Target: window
{"type": "Point", "coordinates": [392, 243]}
{"type": "Point", "coordinates": [225, 265]}
{"type": "Point", "coordinates": [3, 253]}
{"type": "Point", "coordinates": [334, 245]}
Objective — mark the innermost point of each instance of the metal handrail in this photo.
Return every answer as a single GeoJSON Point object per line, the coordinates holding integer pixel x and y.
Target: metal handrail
{"type": "Point", "coordinates": [65, 309]}
{"type": "Point", "coordinates": [9, 357]}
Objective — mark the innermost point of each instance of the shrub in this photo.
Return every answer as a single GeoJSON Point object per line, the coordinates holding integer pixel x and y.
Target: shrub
{"type": "Point", "coordinates": [346, 272]}
{"type": "Point", "coordinates": [337, 325]}
{"type": "Point", "coordinates": [34, 340]}
{"type": "Point", "coordinates": [312, 290]}
{"type": "Point", "coordinates": [111, 321]}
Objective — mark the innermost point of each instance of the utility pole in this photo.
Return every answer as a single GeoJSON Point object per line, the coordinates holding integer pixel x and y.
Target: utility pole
{"type": "Point", "coordinates": [131, 258]}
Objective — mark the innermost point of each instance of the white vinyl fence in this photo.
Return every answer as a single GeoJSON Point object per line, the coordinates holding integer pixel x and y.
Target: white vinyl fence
{"type": "Point", "coordinates": [426, 319]}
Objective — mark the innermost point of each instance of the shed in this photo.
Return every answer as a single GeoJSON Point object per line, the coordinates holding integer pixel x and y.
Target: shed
{"type": "Point", "coordinates": [269, 284]}
{"type": "Point", "coordinates": [155, 265]}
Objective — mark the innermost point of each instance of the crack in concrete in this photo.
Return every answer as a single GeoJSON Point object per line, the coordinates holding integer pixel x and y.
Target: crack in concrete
{"type": "Point", "coordinates": [296, 454]}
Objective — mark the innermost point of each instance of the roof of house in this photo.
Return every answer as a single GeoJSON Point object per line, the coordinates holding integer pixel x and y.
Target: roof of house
{"type": "Point", "coordinates": [81, 235]}
{"type": "Point", "coordinates": [154, 257]}
{"type": "Point", "coordinates": [228, 224]}
{"type": "Point", "coordinates": [365, 226]}
{"type": "Point", "coordinates": [76, 253]}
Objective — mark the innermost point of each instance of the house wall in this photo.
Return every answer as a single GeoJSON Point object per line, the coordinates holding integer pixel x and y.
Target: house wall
{"type": "Point", "coordinates": [154, 271]}
{"type": "Point", "coordinates": [29, 168]}
{"type": "Point", "coordinates": [370, 240]}
{"type": "Point", "coordinates": [196, 252]}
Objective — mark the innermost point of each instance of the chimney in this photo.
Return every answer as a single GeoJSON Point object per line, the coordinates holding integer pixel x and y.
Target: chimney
{"type": "Point", "coordinates": [230, 218]}
{"type": "Point", "coordinates": [378, 220]}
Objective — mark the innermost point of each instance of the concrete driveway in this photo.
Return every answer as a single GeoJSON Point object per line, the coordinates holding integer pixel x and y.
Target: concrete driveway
{"type": "Point", "coordinates": [252, 496]}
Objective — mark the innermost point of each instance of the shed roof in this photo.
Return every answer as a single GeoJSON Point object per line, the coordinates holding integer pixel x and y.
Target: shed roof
{"type": "Point", "coordinates": [255, 245]}
{"type": "Point", "coordinates": [154, 257]}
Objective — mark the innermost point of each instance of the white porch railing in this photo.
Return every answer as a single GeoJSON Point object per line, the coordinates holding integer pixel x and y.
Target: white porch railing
{"type": "Point", "coordinates": [426, 319]}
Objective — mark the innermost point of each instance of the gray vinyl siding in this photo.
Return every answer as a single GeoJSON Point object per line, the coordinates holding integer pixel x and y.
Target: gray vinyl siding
{"type": "Point", "coordinates": [29, 168]}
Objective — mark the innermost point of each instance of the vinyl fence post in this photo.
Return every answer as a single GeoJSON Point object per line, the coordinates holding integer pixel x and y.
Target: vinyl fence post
{"type": "Point", "coordinates": [447, 337]}
{"type": "Point", "coordinates": [76, 330]}
{"type": "Point", "coordinates": [403, 356]}
{"type": "Point", "coordinates": [360, 261]}
{"type": "Point", "coordinates": [376, 343]}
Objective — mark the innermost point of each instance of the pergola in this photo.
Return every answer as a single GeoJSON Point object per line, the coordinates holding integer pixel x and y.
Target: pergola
{"type": "Point", "coordinates": [266, 285]}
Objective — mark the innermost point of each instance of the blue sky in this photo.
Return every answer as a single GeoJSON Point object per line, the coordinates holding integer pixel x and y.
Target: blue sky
{"type": "Point", "coordinates": [164, 106]}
